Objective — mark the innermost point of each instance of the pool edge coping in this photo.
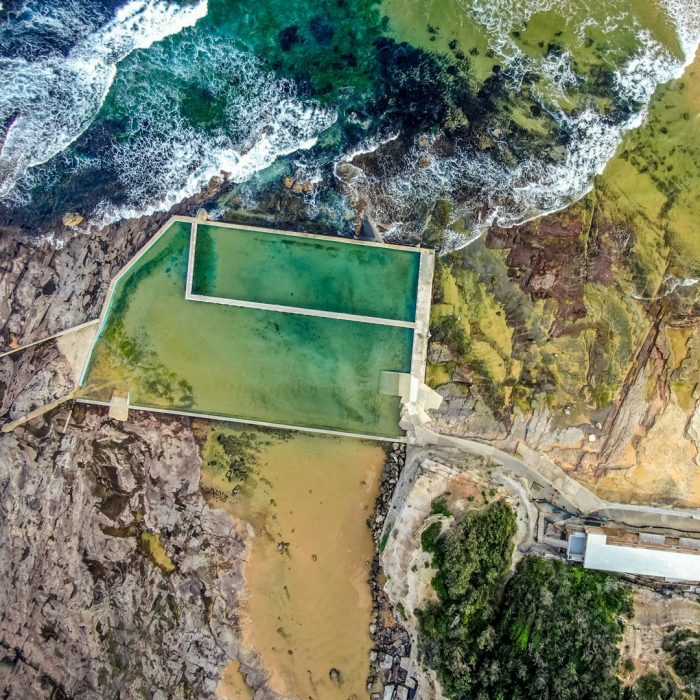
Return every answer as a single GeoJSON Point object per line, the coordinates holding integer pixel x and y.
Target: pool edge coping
{"type": "Point", "coordinates": [302, 234]}
{"type": "Point", "coordinates": [245, 421]}
{"type": "Point", "coordinates": [421, 329]}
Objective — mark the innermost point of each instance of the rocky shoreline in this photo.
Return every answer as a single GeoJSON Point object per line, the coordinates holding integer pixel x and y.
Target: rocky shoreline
{"type": "Point", "coordinates": [117, 574]}
{"type": "Point", "coordinates": [55, 279]}
{"type": "Point", "coordinates": [390, 676]}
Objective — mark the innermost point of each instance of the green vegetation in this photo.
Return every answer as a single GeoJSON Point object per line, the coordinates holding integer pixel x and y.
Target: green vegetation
{"type": "Point", "coordinates": [153, 547]}
{"type": "Point", "coordinates": [573, 342]}
{"type": "Point", "coordinates": [468, 319]}
{"type": "Point", "coordinates": [684, 647]}
{"type": "Point", "coordinates": [439, 507]}
{"type": "Point", "coordinates": [516, 344]}
{"type": "Point", "coordinates": [448, 330]}
{"type": "Point", "coordinates": [472, 561]}
{"type": "Point", "coordinates": [429, 536]}
{"type": "Point", "coordinates": [654, 686]}
{"type": "Point", "coordinates": [551, 632]}
{"type": "Point", "coordinates": [655, 175]}
{"type": "Point", "coordinates": [440, 218]}
{"type": "Point", "coordinates": [556, 634]}
{"type": "Point", "coordinates": [618, 327]}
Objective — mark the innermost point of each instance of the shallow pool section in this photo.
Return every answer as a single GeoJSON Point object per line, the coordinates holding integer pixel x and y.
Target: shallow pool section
{"type": "Point", "coordinates": [246, 364]}
{"type": "Point", "coordinates": [311, 272]}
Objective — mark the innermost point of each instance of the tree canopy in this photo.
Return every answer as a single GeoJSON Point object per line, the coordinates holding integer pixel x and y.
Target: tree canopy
{"type": "Point", "coordinates": [684, 647]}
{"type": "Point", "coordinates": [550, 632]}
{"type": "Point", "coordinates": [556, 635]}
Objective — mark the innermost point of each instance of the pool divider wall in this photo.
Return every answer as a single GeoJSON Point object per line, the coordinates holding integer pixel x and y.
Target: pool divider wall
{"type": "Point", "coordinates": [303, 311]}
{"type": "Point", "coordinates": [190, 260]}
{"type": "Point", "coordinates": [245, 421]}
{"type": "Point", "coordinates": [420, 326]}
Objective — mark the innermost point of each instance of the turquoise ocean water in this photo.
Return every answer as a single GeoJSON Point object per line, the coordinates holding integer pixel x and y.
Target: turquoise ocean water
{"type": "Point", "coordinates": [116, 108]}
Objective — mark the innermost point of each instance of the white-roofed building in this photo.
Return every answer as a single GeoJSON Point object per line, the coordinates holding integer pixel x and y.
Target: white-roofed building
{"type": "Point", "coordinates": [655, 560]}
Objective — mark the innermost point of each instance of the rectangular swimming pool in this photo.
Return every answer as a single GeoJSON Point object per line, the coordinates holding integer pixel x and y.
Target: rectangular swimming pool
{"type": "Point", "coordinates": [247, 364]}
{"type": "Point", "coordinates": [312, 272]}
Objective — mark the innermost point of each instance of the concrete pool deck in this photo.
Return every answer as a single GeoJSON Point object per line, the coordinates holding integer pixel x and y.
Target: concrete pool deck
{"type": "Point", "coordinates": [413, 401]}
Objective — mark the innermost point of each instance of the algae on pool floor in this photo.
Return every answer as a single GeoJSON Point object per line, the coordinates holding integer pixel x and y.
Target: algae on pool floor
{"type": "Point", "coordinates": [247, 364]}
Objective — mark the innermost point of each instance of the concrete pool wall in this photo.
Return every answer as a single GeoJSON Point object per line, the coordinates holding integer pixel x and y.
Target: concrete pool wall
{"type": "Point", "coordinates": [330, 390]}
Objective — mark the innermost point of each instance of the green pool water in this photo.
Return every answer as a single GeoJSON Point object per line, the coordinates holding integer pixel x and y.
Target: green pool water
{"type": "Point", "coordinates": [312, 273]}
{"type": "Point", "coordinates": [237, 362]}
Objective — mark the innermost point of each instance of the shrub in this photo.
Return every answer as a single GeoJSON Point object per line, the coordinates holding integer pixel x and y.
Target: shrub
{"type": "Point", "coordinates": [550, 633]}
{"type": "Point", "coordinates": [684, 647]}
{"type": "Point", "coordinates": [472, 561]}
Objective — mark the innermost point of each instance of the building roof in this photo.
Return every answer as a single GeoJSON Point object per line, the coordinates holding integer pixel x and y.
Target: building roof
{"type": "Point", "coordinates": [576, 546]}
{"type": "Point", "coordinates": [642, 561]}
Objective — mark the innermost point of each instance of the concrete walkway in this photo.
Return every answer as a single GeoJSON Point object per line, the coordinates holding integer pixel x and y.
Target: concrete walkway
{"type": "Point", "coordinates": [248, 421]}
{"type": "Point", "coordinates": [565, 491]}
{"type": "Point", "coordinates": [9, 427]}
{"type": "Point", "coordinates": [424, 293]}
{"type": "Point", "coordinates": [300, 310]}
{"type": "Point", "coordinates": [59, 334]}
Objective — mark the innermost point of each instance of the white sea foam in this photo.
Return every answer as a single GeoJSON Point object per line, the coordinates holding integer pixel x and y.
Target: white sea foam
{"type": "Point", "coordinates": [537, 185]}
{"type": "Point", "coordinates": [686, 17]}
{"type": "Point", "coordinates": [159, 173]}
{"type": "Point", "coordinates": [50, 101]}
{"type": "Point", "coordinates": [263, 120]}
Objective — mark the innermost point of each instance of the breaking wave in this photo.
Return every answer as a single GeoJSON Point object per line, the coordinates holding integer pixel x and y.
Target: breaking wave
{"type": "Point", "coordinates": [188, 109]}
{"type": "Point", "coordinates": [510, 194]}
{"type": "Point", "coordinates": [78, 105]}
{"type": "Point", "coordinates": [48, 98]}
{"type": "Point", "coordinates": [260, 118]}
{"type": "Point", "coordinates": [686, 18]}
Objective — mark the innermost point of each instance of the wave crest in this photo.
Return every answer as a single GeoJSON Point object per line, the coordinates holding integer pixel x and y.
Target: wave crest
{"type": "Point", "coordinates": [488, 188]}
{"type": "Point", "coordinates": [261, 119]}
{"type": "Point", "coordinates": [47, 103]}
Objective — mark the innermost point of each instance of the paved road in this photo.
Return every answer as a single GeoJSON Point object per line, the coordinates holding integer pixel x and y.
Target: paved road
{"type": "Point", "coordinates": [566, 492]}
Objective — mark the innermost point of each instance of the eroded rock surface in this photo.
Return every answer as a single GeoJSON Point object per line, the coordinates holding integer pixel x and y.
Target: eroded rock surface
{"type": "Point", "coordinates": [117, 579]}
{"type": "Point", "coordinates": [31, 378]}
{"type": "Point", "coordinates": [559, 334]}
{"type": "Point", "coordinates": [58, 278]}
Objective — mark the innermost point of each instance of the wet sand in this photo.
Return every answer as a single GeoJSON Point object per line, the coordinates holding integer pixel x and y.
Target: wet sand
{"type": "Point", "coordinates": [309, 608]}
{"type": "Point", "coordinates": [232, 686]}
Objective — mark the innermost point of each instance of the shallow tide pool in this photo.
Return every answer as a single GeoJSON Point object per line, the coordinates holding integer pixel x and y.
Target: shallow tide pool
{"type": "Point", "coordinates": [309, 608]}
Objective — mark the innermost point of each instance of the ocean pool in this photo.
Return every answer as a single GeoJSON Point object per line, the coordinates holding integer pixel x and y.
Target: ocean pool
{"type": "Point", "coordinates": [246, 364]}
{"type": "Point", "coordinates": [311, 272]}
